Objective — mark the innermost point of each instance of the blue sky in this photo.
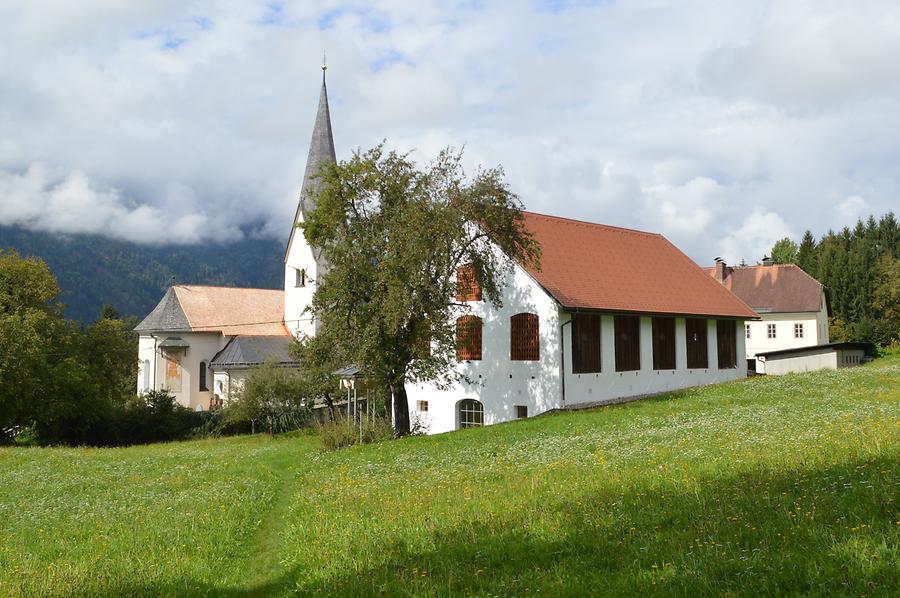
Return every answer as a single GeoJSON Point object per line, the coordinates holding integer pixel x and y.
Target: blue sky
{"type": "Point", "coordinates": [723, 125]}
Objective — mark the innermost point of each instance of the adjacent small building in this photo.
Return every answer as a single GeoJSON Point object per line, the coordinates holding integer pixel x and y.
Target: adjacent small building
{"type": "Point", "coordinates": [792, 305]}
{"type": "Point", "coordinates": [831, 356]}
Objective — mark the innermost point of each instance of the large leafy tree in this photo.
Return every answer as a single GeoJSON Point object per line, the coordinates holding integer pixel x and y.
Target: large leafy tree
{"type": "Point", "coordinates": [784, 251]}
{"type": "Point", "coordinates": [393, 236]}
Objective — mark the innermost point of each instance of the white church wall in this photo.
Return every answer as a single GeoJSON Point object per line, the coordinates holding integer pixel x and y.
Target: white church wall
{"type": "Point", "coordinates": [296, 298]}
{"type": "Point", "coordinates": [185, 385]}
{"type": "Point", "coordinates": [498, 382]}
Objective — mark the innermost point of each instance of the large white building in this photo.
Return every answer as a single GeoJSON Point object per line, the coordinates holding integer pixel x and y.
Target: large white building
{"type": "Point", "coordinates": [792, 305]}
{"type": "Point", "coordinates": [611, 313]}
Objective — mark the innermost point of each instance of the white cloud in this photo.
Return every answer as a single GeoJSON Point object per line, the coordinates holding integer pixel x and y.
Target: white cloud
{"type": "Point", "coordinates": [754, 238]}
{"type": "Point", "coordinates": [166, 121]}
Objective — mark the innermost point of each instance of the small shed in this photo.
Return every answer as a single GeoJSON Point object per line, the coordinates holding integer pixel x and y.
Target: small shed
{"type": "Point", "coordinates": [818, 357]}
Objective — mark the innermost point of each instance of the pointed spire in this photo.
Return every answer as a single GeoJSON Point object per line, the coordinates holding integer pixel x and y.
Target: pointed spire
{"type": "Point", "coordinates": [321, 146]}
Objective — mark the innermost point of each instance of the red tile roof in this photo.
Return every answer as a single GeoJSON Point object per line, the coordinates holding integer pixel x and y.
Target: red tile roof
{"type": "Point", "coordinates": [594, 266]}
{"type": "Point", "coordinates": [783, 288]}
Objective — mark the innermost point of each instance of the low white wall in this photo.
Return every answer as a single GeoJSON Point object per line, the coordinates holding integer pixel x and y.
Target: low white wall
{"type": "Point", "coordinates": [814, 359]}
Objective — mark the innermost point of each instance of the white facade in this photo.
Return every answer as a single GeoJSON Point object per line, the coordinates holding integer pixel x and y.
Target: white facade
{"type": "Point", "coordinates": [815, 358]}
{"type": "Point", "coordinates": [178, 369]}
{"type": "Point", "coordinates": [501, 384]}
{"type": "Point", "coordinates": [301, 271]}
{"type": "Point", "coordinates": [791, 331]}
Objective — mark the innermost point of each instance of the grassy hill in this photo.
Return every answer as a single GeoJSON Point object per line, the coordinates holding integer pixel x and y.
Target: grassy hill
{"type": "Point", "coordinates": [766, 486]}
{"type": "Point", "coordinates": [94, 270]}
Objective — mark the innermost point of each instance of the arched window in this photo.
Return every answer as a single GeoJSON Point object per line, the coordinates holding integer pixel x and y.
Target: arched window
{"type": "Point", "coordinates": [203, 375]}
{"type": "Point", "coordinates": [146, 373]}
{"type": "Point", "coordinates": [468, 338]}
{"type": "Point", "coordinates": [471, 413]}
{"type": "Point", "coordinates": [467, 287]}
{"type": "Point", "coordinates": [525, 338]}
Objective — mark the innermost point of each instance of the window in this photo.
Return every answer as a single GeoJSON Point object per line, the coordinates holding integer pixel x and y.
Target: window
{"type": "Point", "coordinates": [468, 338]}
{"type": "Point", "coordinates": [471, 413]}
{"type": "Point", "coordinates": [301, 278]}
{"type": "Point", "coordinates": [726, 344]}
{"type": "Point", "coordinates": [467, 287]}
{"type": "Point", "coordinates": [628, 343]}
{"type": "Point", "coordinates": [663, 343]}
{"type": "Point", "coordinates": [421, 405]}
{"type": "Point", "coordinates": [146, 373]}
{"type": "Point", "coordinates": [770, 330]}
{"type": "Point", "coordinates": [695, 334]}
{"type": "Point", "coordinates": [585, 343]}
{"type": "Point", "coordinates": [521, 411]}
{"type": "Point", "coordinates": [798, 330]}
{"type": "Point", "coordinates": [747, 330]}
{"type": "Point", "coordinates": [203, 372]}
{"type": "Point", "coordinates": [525, 338]}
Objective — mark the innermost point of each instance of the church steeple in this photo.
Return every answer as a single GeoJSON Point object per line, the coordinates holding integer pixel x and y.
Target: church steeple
{"type": "Point", "coordinates": [321, 149]}
{"type": "Point", "coordinates": [321, 146]}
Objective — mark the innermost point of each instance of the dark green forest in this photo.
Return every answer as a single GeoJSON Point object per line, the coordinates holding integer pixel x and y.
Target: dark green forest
{"type": "Point", "coordinates": [94, 271]}
{"type": "Point", "coordinates": [861, 268]}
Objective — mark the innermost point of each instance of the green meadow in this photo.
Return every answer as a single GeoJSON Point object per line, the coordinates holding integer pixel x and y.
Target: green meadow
{"type": "Point", "coordinates": [768, 486]}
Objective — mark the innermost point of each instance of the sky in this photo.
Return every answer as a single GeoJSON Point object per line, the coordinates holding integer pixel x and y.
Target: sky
{"type": "Point", "coordinates": [722, 125]}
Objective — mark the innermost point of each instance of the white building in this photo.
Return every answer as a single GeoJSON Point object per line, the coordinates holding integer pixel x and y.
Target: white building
{"type": "Point", "coordinates": [611, 313]}
{"type": "Point", "coordinates": [792, 305]}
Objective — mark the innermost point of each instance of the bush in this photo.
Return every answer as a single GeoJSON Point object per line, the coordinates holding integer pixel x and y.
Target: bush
{"type": "Point", "coordinates": [271, 400]}
{"type": "Point", "coordinates": [338, 433]}
{"type": "Point", "coordinates": [154, 416]}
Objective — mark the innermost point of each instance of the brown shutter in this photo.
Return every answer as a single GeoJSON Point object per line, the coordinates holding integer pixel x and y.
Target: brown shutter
{"type": "Point", "coordinates": [586, 343]}
{"type": "Point", "coordinates": [467, 287]}
{"type": "Point", "coordinates": [628, 343]}
{"type": "Point", "coordinates": [726, 343]}
{"type": "Point", "coordinates": [525, 338]}
{"type": "Point", "coordinates": [695, 332]}
{"type": "Point", "coordinates": [663, 343]}
{"type": "Point", "coordinates": [468, 338]}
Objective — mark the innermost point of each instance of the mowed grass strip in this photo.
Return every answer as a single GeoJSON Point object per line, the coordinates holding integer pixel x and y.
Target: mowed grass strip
{"type": "Point", "coordinates": [783, 485]}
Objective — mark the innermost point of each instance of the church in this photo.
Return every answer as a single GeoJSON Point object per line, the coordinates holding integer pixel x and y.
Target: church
{"type": "Point", "coordinates": [611, 314]}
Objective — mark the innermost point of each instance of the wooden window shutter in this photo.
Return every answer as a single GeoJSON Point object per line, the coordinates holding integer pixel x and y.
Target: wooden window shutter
{"type": "Point", "coordinates": [525, 338]}
{"type": "Point", "coordinates": [695, 332]}
{"type": "Point", "coordinates": [726, 344]}
{"type": "Point", "coordinates": [663, 343]}
{"type": "Point", "coordinates": [586, 344]}
{"type": "Point", "coordinates": [468, 338]}
{"type": "Point", "coordinates": [467, 287]}
{"type": "Point", "coordinates": [628, 343]}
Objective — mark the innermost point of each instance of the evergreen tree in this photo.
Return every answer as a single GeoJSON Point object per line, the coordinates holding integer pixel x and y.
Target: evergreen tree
{"type": "Point", "coordinates": [806, 254]}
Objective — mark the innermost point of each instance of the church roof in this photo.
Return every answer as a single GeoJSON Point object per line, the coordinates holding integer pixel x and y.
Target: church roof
{"type": "Point", "coordinates": [321, 149]}
{"type": "Point", "coordinates": [780, 288]}
{"type": "Point", "coordinates": [598, 267]}
{"type": "Point", "coordinates": [253, 350]}
{"type": "Point", "coordinates": [229, 310]}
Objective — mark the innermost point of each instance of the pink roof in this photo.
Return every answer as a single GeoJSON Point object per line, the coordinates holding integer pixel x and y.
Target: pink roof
{"type": "Point", "coordinates": [232, 310]}
{"type": "Point", "coordinates": [594, 266]}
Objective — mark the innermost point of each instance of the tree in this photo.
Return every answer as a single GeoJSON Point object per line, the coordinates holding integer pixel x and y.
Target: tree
{"type": "Point", "coordinates": [886, 300]}
{"type": "Point", "coordinates": [806, 254]}
{"type": "Point", "coordinates": [784, 252]}
{"type": "Point", "coordinates": [394, 236]}
{"type": "Point", "coordinates": [271, 398]}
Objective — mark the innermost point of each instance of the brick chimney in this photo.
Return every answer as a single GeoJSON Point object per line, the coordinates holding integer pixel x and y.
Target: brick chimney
{"type": "Point", "coordinates": [722, 271]}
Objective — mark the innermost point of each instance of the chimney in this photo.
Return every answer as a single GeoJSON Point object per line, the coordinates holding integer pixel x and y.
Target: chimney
{"type": "Point", "coordinates": [721, 270]}
{"type": "Point", "coordinates": [767, 261]}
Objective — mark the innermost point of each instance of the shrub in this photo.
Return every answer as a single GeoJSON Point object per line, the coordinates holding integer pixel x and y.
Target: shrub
{"type": "Point", "coordinates": [271, 400]}
{"type": "Point", "coordinates": [340, 432]}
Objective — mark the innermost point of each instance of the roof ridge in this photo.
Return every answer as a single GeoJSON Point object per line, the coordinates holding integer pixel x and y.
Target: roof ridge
{"type": "Point", "coordinates": [597, 224]}
{"type": "Point", "coordinates": [222, 286]}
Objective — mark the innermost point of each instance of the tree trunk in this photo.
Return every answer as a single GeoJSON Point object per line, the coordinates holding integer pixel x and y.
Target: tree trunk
{"type": "Point", "coordinates": [401, 409]}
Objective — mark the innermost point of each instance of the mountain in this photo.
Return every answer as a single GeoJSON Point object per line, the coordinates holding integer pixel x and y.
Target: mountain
{"type": "Point", "coordinates": [94, 270]}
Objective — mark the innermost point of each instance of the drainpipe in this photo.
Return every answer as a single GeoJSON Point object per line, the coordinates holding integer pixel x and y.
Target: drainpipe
{"type": "Point", "coordinates": [155, 356]}
{"type": "Point", "coordinates": [562, 358]}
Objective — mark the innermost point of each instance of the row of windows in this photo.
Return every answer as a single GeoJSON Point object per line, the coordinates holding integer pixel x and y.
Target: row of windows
{"type": "Point", "coordinates": [586, 343]}
{"type": "Point", "coordinates": [772, 331]}
{"type": "Point", "coordinates": [470, 412]}
{"type": "Point", "coordinates": [524, 341]}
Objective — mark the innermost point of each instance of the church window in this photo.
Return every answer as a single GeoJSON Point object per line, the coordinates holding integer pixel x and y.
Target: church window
{"type": "Point", "coordinates": [695, 333]}
{"type": "Point", "coordinates": [467, 287]}
{"type": "Point", "coordinates": [471, 413]}
{"type": "Point", "coordinates": [726, 344]}
{"type": "Point", "coordinates": [146, 372]}
{"type": "Point", "coordinates": [468, 338]}
{"type": "Point", "coordinates": [301, 277]}
{"type": "Point", "coordinates": [203, 375]}
{"type": "Point", "coordinates": [628, 343]}
{"type": "Point", "coordinates": [585, 343]}
{"type": "Point", "coordinates": [525, 342]}
{"type": "Point", "coordinates": [663, 343]}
